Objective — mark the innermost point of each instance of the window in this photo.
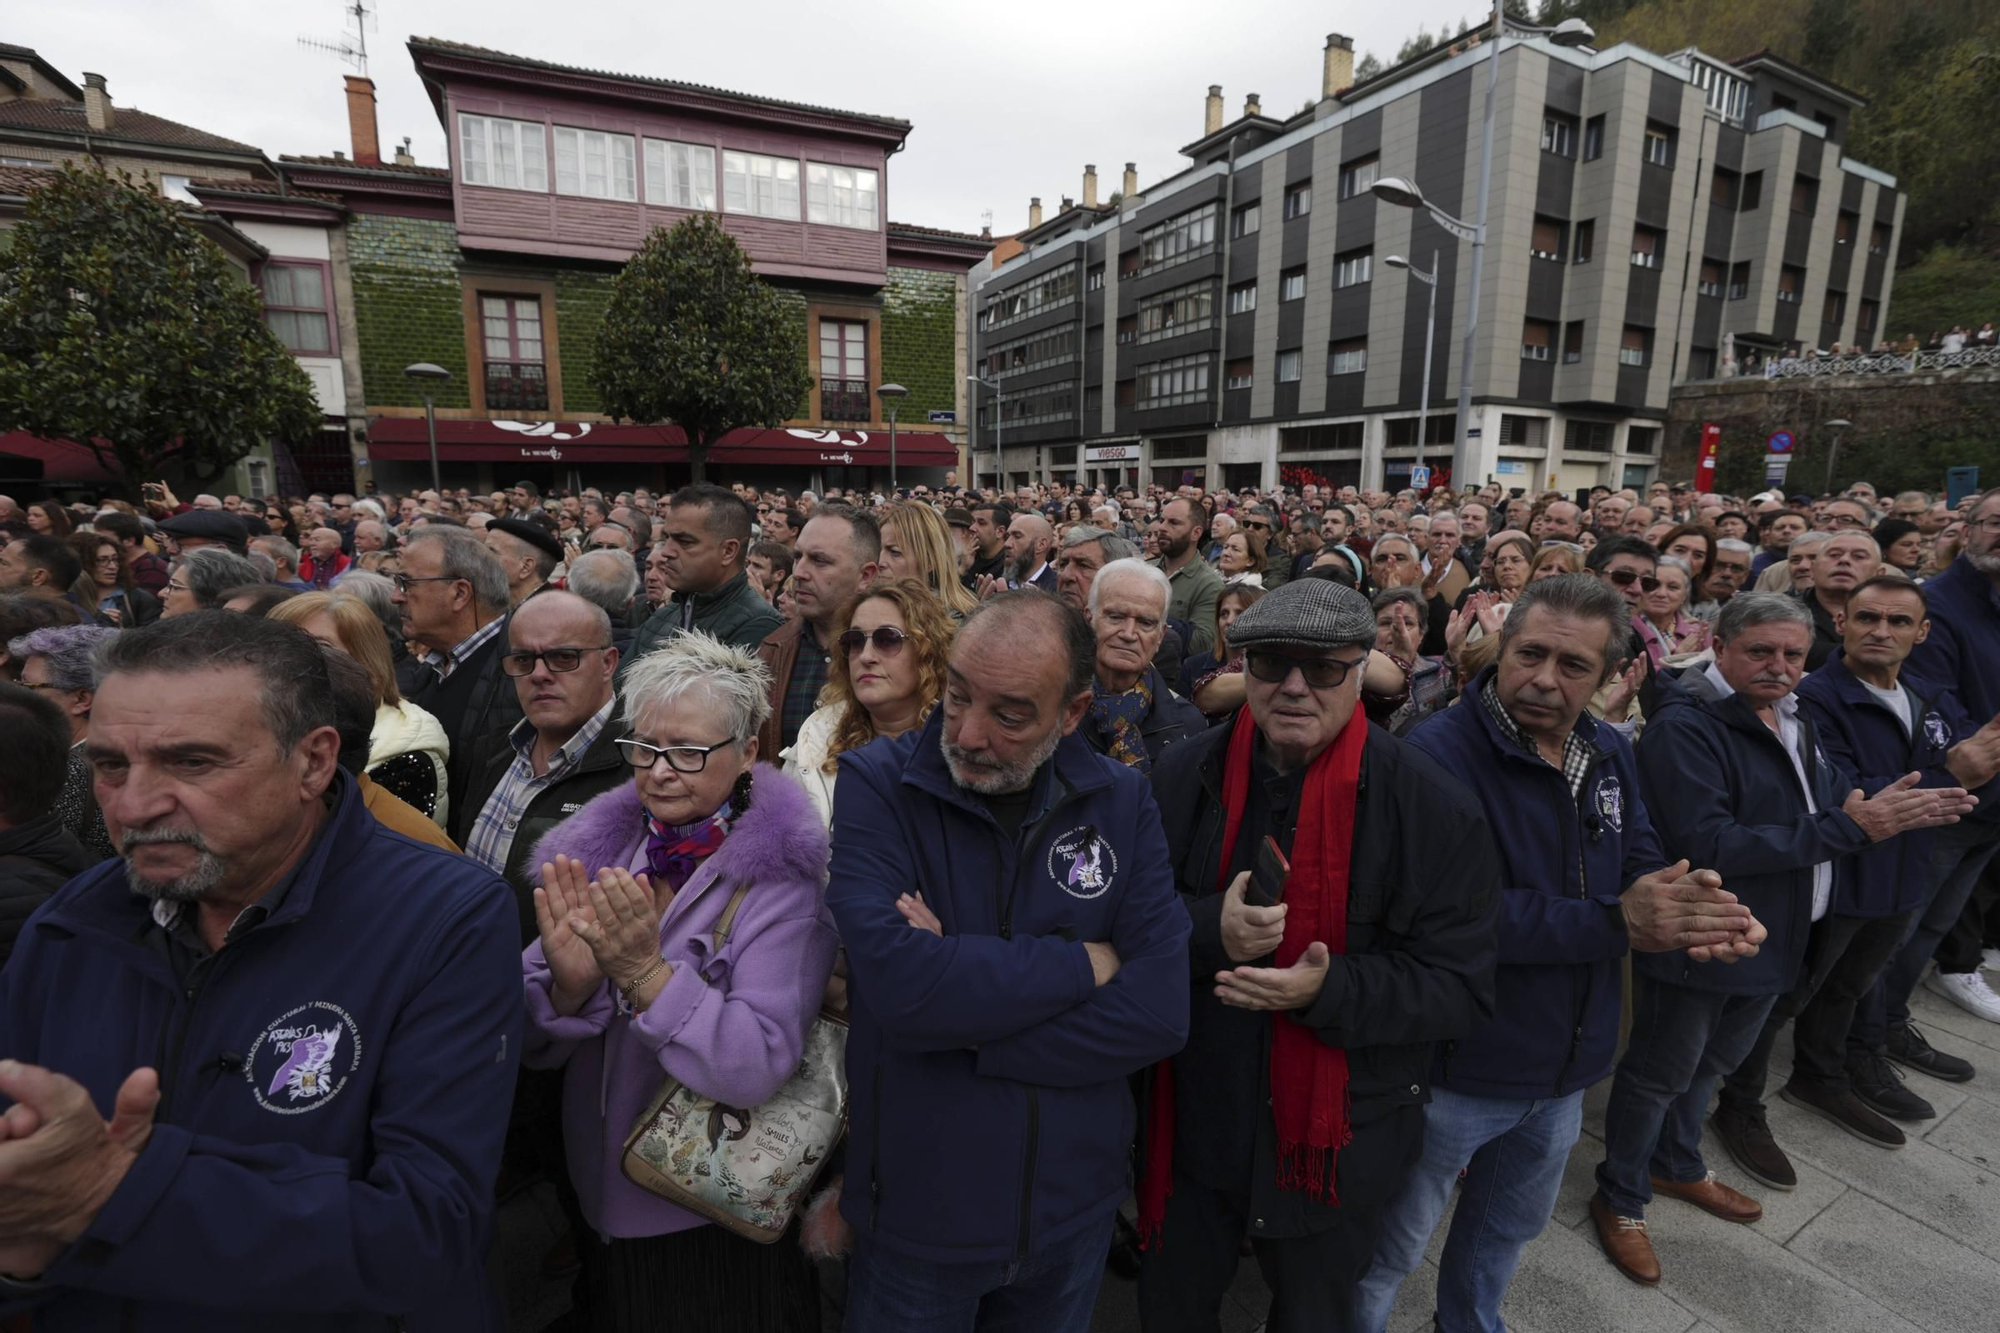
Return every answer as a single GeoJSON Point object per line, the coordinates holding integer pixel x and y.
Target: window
{"type": "Point", "coordinates": [1183, 310]}
{"type": "Point", "coordinates": [1701, 363]}
{"type": "Point", "coordinates": [1593, 138]}
{"type": "Point", "coordinates": [1128, 330]}
{"type": "Point", "coordinates": [1642, 439]}
{"type": "Point", "coordinates": [1093, 281]}
{"type": "Point", "coordinates": [1523, 432]}
{"type": "Point", "coordinates": [765, 187]}
{"type": "Point", "coordinates": [1632, 344]}
{"type": "Point", "coordinates": [1244, 221]}
{"type": "Point", "coordinates": [1536, 334]}
{"type": "Point", "coordinates": [1835, 309]}
{"type": "Point", "coordinates": [295, 306]}
{"type": "Point", "coordinates": [1727, 95]}
{"type": "Point", "coordinates": [1242, 298]}
{"type": "Point", "coordinates": [1753, 193]}
{"type": "Point", "coordinates": [1401, 432]}
{"type": "Point", "coordinates": [1339, 435]}
{"type": "Point", "coordinates": [1128, 263]}
{"type": "Point", "coordinates": [516, 378]}
{"type": "Point", "coordinates": [1291, 284]}
{"type": "Point", "coordinates": [1864, 322]}
{"type": "Point", "coordinates": [1037, 294]}
{"type": "Point", "coordinates": [1710, 283]}
{"type": "Point", "coordinates": [843, 370]}
{"type": "Point", "coordinates": [1790, 279]}
{"type": "Point", "coordinates": [680, 175]}
{"type": "Point", "coordinates": [1780, 102]}
{"type": "Point", "coordinates": [841, 196]}
{"type": "Point", "coordinates": [1238, 375]}
{"type": "Point", "coordinates": [1878, 239]}
{"type": "Point", "coordinates": [1358, 176]}
{"type": "Point", "coordinates": [1659, 144]}
{"type": "Point", "coordinates": [507, 153]}
{"type": "Point", "coordinates": [174, 187]}
{"type": "Point", "coordinates": [1723, 186]}
{"type": "Point", "coordinates": [1572, 342]}
{"type": "Point", "coordinates": [1125, 397]}
{"type": "Point", "coordinates": [1353, 268]}
{"type": "Point", "coordinates": [1298, 200]}
{"type": "Point", "coordinates": [1347, 357]}
{"type": "Point", "coordinates": [1739, 280]}
{"type": "Point", "coordinates": [1173, 383]}
{"type": "Point", "coordinates": [1590, 436]}
{"type": "Point", "coordinates": [1040, 405]}
{"type": "Point", "coordinates": [1805, 194]}
{"type": "Point", "coordinates": [1178, 238]}
{"type": "Point", "coordinates": [1546, 241]}
{"type": "Point", "coordinates": [595, 165]}
{"type": "Point", "coordinates": [1288, 366]}
{"type": "Point", "coordinates": [1646, 247]}
{"type": "Point", "coordinates": [1034, 351]}
{"type": "Point", "coordinates": [1559, 134]}
{"type": "Point", "coordinates": [1825, 122]}
{"type": "Point", "coordinates": [1586, 240]}
{"type": "Point", "coordinates": [1845, 224]}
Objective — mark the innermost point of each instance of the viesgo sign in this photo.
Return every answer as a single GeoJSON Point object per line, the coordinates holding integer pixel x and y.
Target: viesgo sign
{"type": "Point", "coordinates": [1111, 453]}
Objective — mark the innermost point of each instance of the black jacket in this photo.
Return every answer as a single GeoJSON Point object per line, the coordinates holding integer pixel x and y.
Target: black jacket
{"type": "Point", "coordinates": [36, 859]}
{"type": "Point", "coordinates": [477, 706]}
{"type": "Point", "coordinates": [1170, 720]}
{"type": "Point", "coordinates": [1422, 906]}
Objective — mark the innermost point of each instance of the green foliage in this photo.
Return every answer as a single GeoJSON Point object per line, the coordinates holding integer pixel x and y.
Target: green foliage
{"type": "Point", "coordinates": [1950, 284]}
{"type": "Point", "coordinates": [1421, 42]}
{"type": "Point", "coordinates": [409, 306]}
{"type": "Point", "coordinates": [692, 336]}
{"type": "Point", "coordinates": [124, 329]}
{"type": "Point", "coordinates": [1367, 69]}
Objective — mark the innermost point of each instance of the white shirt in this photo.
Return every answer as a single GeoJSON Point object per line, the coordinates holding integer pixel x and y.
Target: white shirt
{"type": "Point", "coordinates": [1786, 710]}
{"type": "Point", "coordinates": [1896, 700]}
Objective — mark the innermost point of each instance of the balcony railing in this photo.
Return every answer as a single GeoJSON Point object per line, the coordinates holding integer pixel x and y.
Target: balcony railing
{"type": "Point", "coordinates": [517, 386]}
{"type": "Point", "coordinates": [844, 400]}
{"type": "Point", "coordinates": [1869, 363]}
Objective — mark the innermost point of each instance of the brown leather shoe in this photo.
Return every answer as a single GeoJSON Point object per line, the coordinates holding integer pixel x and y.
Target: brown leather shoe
{"type": "Point", "coordinates": [1626, 1244]}
{"type": "Point", "coordinates": [1711, 1196]}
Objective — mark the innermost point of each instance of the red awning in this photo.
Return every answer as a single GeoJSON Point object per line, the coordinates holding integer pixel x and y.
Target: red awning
{"type": "Point", "coordinates": [61, 460]}
{"type": "Point", "coordinates": [402, 439]}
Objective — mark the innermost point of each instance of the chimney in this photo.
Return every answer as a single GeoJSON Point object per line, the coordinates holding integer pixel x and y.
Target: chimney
{"type": "Point", "coordinates": [361, 120]}
{"type": "Point", "coordinates": [1252, 106]}
{"type": "Point", "coordinates": [1212, 115]}
{"type": "Point", "coordinates": [1090, 186]}
{"type": "Point", "coordinates": [1131, 179]}
{"type": "Point", "coordinates": [404, 158]}
{"type": "Point", "coordinates": [1339, 65]}
{"type": "Point", "coordinates": [97, 111]}
{"type": "Point", "coordinates": [1034, 212]}
{"type": "Point", "coordinates": [1067, 204]}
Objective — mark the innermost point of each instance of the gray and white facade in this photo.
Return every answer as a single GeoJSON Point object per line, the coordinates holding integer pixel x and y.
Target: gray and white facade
{"type": "Point", "coordinates": [1650, 215]}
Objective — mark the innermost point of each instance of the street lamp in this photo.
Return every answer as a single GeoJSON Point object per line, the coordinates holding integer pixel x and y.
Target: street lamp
{"type": "Point", "coordinates": [1429, 280]}
{"type": "Point", "coordinates": [998, 425]}
{"type": "Point", "coordinates": [1838, 426]}
{"type": "Point", "coordinates": [892, 396]}
{"type": "Point", "coordinates": [1403, 193]}
{"type": "Point", "coordinates": [427, 378]}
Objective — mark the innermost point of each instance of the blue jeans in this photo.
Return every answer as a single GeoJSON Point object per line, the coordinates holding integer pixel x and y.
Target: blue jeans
{"type": "Point", "coordinates": [1682, 1041]}
{"type": "Point", "coordinates": [1052, 1291]}
{"type": "Point", "coordinates": [1512, 1153]}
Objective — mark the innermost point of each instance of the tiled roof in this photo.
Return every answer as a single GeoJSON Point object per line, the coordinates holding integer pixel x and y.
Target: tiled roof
{"type": "Point", "coordinates": [912, 229]}
{"type": "Point", "coordinates": [487, 53]}
{"type": "Point", "coordinates": [229, 185]}
{"type": "Point", "coordinates": [128, 123]}
{"type": "Point", "coordinates": [349, 164]}
{"type": "Point", "coordinates": [20, 180]}
{"type": "Point", "coordinates": [49, 72]}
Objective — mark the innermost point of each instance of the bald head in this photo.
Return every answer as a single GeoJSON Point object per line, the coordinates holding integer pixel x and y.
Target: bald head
{"type": "Point", "coordinates": [1029, 543]}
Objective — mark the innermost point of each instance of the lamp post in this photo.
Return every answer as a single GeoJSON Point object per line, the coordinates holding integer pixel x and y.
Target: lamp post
{"type": "Point", "coordinates": [998, 425]}
{"type": "Point", "coordinates": [1404, 193]}
{"type": "Point", "coordinates": [1839, 426]}
{"type": "Point", "coordinates": [892, 396]}
{"type": "Point", "coordinates": [427, 378]}
{"type": "Point", "coordinates": [1429, 280]}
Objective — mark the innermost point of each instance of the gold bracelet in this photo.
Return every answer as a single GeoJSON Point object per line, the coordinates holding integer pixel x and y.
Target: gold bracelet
{"type": "Point", "coordinates": [630, 990]}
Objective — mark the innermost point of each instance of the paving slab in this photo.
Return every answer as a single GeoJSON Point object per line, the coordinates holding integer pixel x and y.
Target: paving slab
{"type": "Point", "coordinates": [1785, 1211]}
{"type": "Point", "coordinates": [1905, 1265]}
{"type": "Point", "coordinates": [1741, 1282]}
{"type": "Point", "coordinates": [1931, 1011]}
{"type": "Point", "coordinates": [1972, 1133]}
{"type": "Point", "coordinates": [1565, 1283]}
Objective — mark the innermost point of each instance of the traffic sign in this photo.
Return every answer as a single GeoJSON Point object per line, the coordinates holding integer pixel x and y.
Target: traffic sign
{"type": "Point", "coordinates": [1780, 442]}
{"type": "Point", "coordinates": [1420, 477]}
{"type": "Point", "coordinates": [1775, 468]}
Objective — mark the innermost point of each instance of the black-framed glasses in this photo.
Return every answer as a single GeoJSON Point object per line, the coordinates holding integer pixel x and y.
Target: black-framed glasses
{"type": "Point", "coordinates": [1625, 578]}
{"type": "Point", "coordinates": [680, 758]}
{"type": "Point", "coordinates": [1321, 673]}
{"type": "Point", "coordinates": [888, 641]}
{"type": "Point", "coordinates": [604, 546]}
{"type": "Point", "coordinates": [558, 659]}
{"type": "Point", "coordinates": [403, 581]}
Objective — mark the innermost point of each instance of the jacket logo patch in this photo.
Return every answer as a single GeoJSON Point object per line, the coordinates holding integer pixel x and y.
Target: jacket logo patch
{"type": "Point", "coordinates": [1611, 805]}
{"type": "Point", "coordinates": [1936, 732]}
{"type": "Point", "coordinates": [303, 1059]}
{"type": "Point", "coordinates": [1082, 863]}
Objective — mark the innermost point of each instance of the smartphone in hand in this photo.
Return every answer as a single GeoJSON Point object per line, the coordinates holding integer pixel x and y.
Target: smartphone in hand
{"type": "Point", "coordinates": [1268, 875]}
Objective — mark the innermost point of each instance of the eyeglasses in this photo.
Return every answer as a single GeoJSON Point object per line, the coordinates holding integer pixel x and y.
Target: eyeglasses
{"type": "Point", "coordinates": [1625, 578]}
{"type": "Point", "coordinates": [1991, 523]}
{"type": "Point", "coordinates": [888, 641]}
{"type": "Point", "coordinates": [403, 581]}
{"type": "Point", "coordinates": [175, 587]}
{"type": "Point", "coordinates": [558, 659]}
{"type": "Point", "coordinates": [1320, 673]}
{"type": "Point", "coordinates": [1846, 521]}
{"type": "Point", "coordinates": [680, 758]}
{"type": "Point", "coordinates": [604, 546]}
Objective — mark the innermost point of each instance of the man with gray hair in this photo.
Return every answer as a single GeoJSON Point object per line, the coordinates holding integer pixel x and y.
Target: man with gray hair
{"type": "Point", "coordinates": [1133, 713]}
{"type": "Point", "coordinates": [608, 579]}
{"type": "Point", "coordinates": [1085, 550]}
{"type": "Point", "coordinates": [284, 558]}
{"type": "Point", "coordinates": [1726, 574]}
{"type": "Point", "coordinates": [1734, 777]}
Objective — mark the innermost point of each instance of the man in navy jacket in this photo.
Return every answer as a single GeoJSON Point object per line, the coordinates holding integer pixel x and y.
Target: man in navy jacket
{"type": "Point", "coordinates": [1015, 951]}
{"type": "Point", "coordinates": [1585, 881]}
{"type": "Point", "coordinates": [259, 1067]}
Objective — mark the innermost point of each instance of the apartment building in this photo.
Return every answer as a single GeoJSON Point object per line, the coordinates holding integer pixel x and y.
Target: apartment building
{"type": "Point", "coordinates": [1652, 218]}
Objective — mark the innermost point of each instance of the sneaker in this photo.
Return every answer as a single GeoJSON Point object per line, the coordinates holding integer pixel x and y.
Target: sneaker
{"type": "Point", "coordinates": [1879, 1085]}
{"type": "Point", "coordinates": [1748, 1139]}
{"type": "Point", "coordinates": [1967, 990]}
{"type": "Point", "coordinates": [1989, 958]}
{"type": "Point", "coordinates": [1908, 1048]}
{"type": "Point", "coordinates": [1845, 1109]}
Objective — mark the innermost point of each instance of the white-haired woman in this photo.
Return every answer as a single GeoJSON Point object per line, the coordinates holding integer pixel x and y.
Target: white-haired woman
{"type": "Point", "coordinates": [625, 988]}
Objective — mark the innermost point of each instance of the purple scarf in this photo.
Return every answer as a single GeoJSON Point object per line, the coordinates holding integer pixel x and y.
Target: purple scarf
{"type": "Point", "coordinates": [675, 851]}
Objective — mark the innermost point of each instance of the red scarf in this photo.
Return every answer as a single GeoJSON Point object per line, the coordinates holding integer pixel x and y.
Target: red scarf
{"type": "Point", "coordinates": [1308, 1077]}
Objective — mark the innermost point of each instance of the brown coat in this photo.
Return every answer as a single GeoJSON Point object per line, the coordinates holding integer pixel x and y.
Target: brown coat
{"type": "Point", "coordinates": [779, 651]}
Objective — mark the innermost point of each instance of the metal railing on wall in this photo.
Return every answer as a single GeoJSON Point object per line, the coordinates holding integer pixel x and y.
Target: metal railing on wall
{"type": "Point", "coordinates": [1867, 363]}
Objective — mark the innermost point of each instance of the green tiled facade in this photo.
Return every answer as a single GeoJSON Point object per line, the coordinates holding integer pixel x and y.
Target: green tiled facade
{"type": "Point", "coordinates": [407, 305]}
{"type": "Point", "coordinates": [919, 339]}
{"type": "Point", "coordinates": [581, 299]}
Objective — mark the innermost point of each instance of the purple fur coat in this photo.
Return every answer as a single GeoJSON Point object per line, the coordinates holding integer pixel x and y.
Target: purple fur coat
{"type": "Point", "coordinates": [731, 1026]}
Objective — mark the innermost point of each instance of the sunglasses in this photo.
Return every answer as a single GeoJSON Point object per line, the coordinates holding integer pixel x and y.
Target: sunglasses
{"type": "Point", "coordinates": [888, 641]}
{"type": "Point", "coordinates": [558, 659]}
{"type": "Point", "coordinates": [1321, 673]}
{"type": "Point", "coordinates": [1625, 578]}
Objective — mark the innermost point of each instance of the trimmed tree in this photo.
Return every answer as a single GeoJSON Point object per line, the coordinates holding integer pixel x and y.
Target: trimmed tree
{"type": "Point", "coordinates": [691, 336]}
{"type": "Point", "coordinates": [124, 329]}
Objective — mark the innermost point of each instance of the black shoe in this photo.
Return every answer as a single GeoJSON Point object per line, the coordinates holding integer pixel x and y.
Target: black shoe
{"type": "Point", "coordinates": [1124, 1257]}
{"type": "Point", "coordinates": [1845, 1109]}
{"type": "Point", "coordinates": [1908, 1048]}
{"type": "Point", "coordinates": [1879, 1085]}
{"type": "Point", "coordinates": [1748, 1138]}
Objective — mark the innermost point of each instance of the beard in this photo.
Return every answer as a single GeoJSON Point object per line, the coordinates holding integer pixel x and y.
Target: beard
{"type": "Point", "coordinates": [1020, 567]}
{"type": "Point", "coordinates": [1175, 548]}
{"type": "Point", "coordinates": [989, 777]}
{"type": "Point", "coordinates": [196, 884]}
{"type": "Point", "coordinates": [1986, 562]}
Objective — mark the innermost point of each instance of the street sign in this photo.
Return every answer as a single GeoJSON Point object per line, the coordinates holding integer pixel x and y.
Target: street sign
{"type": "Point", "coordinates": [1775, 467]}
{"type": "Point", "coordinates": [1472, 432]}
{"type": "Point", "coordinates": [944, 418]}
{"type": "Point", "coordinates": [1420, 477]}
{"type": "Point", "coordinates": [1780, 442]}
{"type": "Point", "coordinates": [1960, 482]}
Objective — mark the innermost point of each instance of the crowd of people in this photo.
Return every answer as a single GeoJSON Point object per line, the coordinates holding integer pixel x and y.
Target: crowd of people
{"type": "Point", "coordinates": [1184, 874]}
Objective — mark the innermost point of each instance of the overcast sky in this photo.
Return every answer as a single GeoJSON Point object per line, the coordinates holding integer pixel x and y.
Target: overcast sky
{"type": "Point", "coordinates": [1006, 101]}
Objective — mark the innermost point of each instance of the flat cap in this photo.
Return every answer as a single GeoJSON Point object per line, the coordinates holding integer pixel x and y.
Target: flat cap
{"type": "Point", "coordinates": [209, 525]}
{"type": "Point", "coordinates": [1315, 614]}
{"type": "Point", "coordinates": [958, 518]}
{"type": "Point", "coordinates": [539, 538]}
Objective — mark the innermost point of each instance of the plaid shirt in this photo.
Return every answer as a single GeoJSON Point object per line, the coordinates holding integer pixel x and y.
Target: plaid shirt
{"type": "Point", "coordinates": [802, 691]}
{"type": "Point", "coordinates": [1576, 750]}
{"type": "Point", "coordinates": [492, 836]}
{"type": "Point", "coordinates": [446, 663]}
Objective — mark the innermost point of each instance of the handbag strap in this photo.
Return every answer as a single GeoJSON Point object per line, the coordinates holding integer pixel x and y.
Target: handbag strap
{"type": "Point", "coordinates": [724, 922]}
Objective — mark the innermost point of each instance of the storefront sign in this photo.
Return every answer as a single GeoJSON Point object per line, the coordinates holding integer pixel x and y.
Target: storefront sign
{"type": "Point", "coordinates": [1111, 453]}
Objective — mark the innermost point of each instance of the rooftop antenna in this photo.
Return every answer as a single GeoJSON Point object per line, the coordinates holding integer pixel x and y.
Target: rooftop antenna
{"type": "Point", "coordinates": [353, 44]}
